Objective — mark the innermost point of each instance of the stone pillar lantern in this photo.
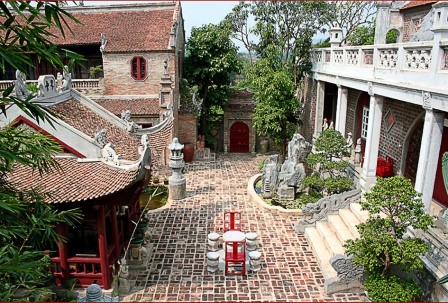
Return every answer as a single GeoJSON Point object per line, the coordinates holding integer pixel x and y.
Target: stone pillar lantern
{"type": "Point", "coordinates": [335, 36]}
{"type": "Point", "coordinates": [177, 183]}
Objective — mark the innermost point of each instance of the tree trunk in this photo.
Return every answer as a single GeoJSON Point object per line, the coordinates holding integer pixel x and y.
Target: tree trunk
{"type": "Point", "coordinates": [283, 149]}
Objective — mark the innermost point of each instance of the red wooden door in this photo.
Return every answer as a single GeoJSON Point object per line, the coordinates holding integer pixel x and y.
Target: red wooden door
{"type": "Point", "coordinates": [440, 193]}
{"type": "Point", "coordinates": [239, 138]}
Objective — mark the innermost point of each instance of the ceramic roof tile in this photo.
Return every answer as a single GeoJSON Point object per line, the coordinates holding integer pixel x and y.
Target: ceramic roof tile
{"type": "Point", "coordinates": [87, 121]}
{"type": "Point", "coordinates": [74, 181]}
{"type": "Point", "coordinates": [412, 4]}
{"type": "Point", "coordinates": [125, 31]}
{"type": "Point", "coordinates": [136, 106]}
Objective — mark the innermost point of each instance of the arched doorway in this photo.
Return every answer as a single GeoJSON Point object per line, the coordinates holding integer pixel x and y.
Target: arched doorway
{"type": "Point", "coordinates": [413, 151]}
{"type": "Point", "coordinates": [362, 119]}
{"type": "Point", "coordinates": [239, 138]}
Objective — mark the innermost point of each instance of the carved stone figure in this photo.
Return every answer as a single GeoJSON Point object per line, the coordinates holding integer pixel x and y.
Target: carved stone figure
{"type": "Point", "coordinates": [103, 42]}
{"type": "Point", "coordinates": [445, 222]}
{"type": "Point", "coordinates": [165, 66]}
{"type": "Point", "coordinates": [20, 87]}
{"type": "Point", "coordinates": [144, 140]}
{"type": "Point", "coordinates": [357, 151]}
{"type": "Point", "coordinates": [126, 115]}
{"type": "Point", "coordinates": [349, 141]}
{"type": "Point", "coordinates": [59, 80]}
{"type": "Point", "coordinates": [331, 125]}
{"type": "Point", "coordinates": [270, 175]}
{"type": "Point", "coordinates": [424, 32]}
{"type": "Point", "coordinates": [131, 126]}
{"type": "Point", "coordinates": [109, 154]}
{"type": "Point", "coordinates": [325, 125]}
{"type": "Point", "coordinates": [66, 79]}
{"type": "Point", "coordinates": [100, 136]}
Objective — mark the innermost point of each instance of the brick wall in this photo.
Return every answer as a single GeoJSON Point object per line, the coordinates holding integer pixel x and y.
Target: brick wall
{"type": "Point", "coordinates": [187, 132]}
{"type": "Point", "coordinates": [410, 14]}
{"type": "Point", "coordinates": [392, 143]}
{"type": "Point", "coordinates": [117, 73]}
{"type": "Point", "coordinates": [309, 109]}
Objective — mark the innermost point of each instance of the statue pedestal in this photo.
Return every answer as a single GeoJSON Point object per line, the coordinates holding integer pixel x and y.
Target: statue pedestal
{"type": "Point", "coordinates": [285, 193]}
{"type": "Point", "coordinates": [177, 188]}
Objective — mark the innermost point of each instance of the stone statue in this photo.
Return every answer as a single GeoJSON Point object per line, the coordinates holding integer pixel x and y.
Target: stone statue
{"type": "Point", "coordinates": [445, 222]}
{"type": "Point", "coordinates": [100, 136]}
{"type": "Point", "coordinates": [325, 125]}
{"type": "Point", "coordinates": [270, 175]}
{"type": "Point", "coordinates": [20, 86]}
{"type": "Point", "coordinates": [109, 154]}
{"type": "Point", "coordinates": [424, 32]}
{"type": "Point", "coordinates": [94, 293]}
{"type": "Point", "coordinates": [66, 79]}
{"type": "Point", "coordinates": [144, 140]}
{"type": "Point", "coordinates": [59, 80]}
{"type": "Point", "coordinates": [331, 125]}
{"type": "Point", "coordinates": [349, 141]}
{"type": "Point", "coordinates": [126, 115]}
{"type": "Point", "coordinates": [131, 126]}
{"type": "Point", "coordinates": [293, 169]}
{"type": "Point", "coordinates": [357, 151]}
{"type": "Point", "coordinates": [103, 42]}
{"type": "Point", "coordinates": [165, 66]}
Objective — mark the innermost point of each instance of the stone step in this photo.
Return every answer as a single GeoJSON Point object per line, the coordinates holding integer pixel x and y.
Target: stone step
{"type": "Point", "coordinates": [323, 255]}
{"type": "Point", "coordinates": [331, 240]}
{"type": "Point", "coordinates": [340, 228]}
{"type": "Point", "coordinates": [350, 220]}
{"type": "Point", "coordinates": [362, 215]}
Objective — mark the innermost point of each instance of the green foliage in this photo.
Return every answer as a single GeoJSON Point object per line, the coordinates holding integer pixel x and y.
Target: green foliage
{"type": "Point", "coordinates": [392, 289]}
{"type": "Point", "coordinates": [276, 114]}
{"type": "Point", "coordinates": [94, 71]}
{"type": "Point", "coordinates": [329, 168]}
{"type": "Point", "coordinates": [211, 59]}
{"type": "Point", "coordinates": [323, 43]}
{"type": "Point", "coordinates": [363, 35]}
{"type": "Point", "coordinates": [261, 166]}
{"type": "Point", "coordinates": [189, 103]}
{"type": "Point", "coordinates": [392, 36]}
{"type": "Point", "coordinates": [382, 241]}
{"type": "Point", "coordinates": [32, 87]}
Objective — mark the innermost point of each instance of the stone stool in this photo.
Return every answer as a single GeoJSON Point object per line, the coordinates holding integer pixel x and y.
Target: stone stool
{"type": "Point", "coordinates": [251, 241]}
{"type": "Point", "coordinates": [254, 260]}
{"type": "Point", "coordinates": [213, 244]}
{"type": "Point", "coordinates": [213, 261]}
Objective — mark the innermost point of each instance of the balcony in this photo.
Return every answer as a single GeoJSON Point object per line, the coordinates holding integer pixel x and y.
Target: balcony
{"type": "Point", "coordinates": [420, 65]}
{"type": "Point", "coordinates": [85, 86]}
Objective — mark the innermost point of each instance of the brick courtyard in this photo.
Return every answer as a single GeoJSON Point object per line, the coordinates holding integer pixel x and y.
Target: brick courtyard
{"type": "Point", "coordinates": [177, 267]}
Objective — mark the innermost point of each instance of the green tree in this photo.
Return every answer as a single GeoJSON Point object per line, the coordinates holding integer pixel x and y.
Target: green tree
{"type": "Point", "coordinates": [211, 59]}
{"type": "Point", "coordinates": [382, 242]}
{"type": "Point", "coordinates": [329, 168]}
{"type": "Point", "coordinates": [276, 114]}
{"type": "Point", "coordinates": [362, 35]}
{"type": "Point", "coordinates": [27, 222]}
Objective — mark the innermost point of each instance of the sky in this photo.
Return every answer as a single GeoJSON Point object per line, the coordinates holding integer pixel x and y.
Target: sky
{"type": "Point", "coordinates": [196, 13]}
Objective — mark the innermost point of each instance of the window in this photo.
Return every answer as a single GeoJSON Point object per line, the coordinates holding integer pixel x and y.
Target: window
{"type": "Point", "coordinates": [365, 122]}
{"type": "Point", "coordinates": [138, 68]}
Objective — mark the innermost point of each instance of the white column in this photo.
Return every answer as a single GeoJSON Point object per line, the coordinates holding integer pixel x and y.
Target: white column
{"type": "Point", "coordinates": [368, 175]}
{"type": "Point", "coordinates": [341, 110]}
{"type": "Point", "coordinates": [319, 115]}
{"type": "Point", "coordinates": [429, 155]}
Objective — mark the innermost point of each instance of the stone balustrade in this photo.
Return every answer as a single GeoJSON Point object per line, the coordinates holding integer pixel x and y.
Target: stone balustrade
{"type": "Point", "coordinates": [424, 64]}
{"type": "Point", "coordinates": [84, 85]}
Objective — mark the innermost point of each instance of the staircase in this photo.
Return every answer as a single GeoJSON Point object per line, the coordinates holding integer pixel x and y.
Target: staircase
{"type": "Point", "coordinates": [327, 238]}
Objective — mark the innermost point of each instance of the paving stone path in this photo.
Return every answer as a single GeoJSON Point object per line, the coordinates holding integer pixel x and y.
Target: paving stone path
{"type": "Point", "coordinates": [177, 267]}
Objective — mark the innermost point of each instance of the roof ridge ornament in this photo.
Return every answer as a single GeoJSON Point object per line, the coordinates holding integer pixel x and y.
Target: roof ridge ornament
{"type": "Point", "coordinates": [103, 42]}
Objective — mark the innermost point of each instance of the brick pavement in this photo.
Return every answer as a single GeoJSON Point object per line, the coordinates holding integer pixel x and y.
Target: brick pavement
{"type": "Point", "coordinates": [177, 267]}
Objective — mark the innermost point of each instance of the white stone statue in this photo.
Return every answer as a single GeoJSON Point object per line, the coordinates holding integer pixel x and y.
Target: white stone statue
{"type": "Point", "coordinates": [357, 151]}
{"type": "Point", "coordinates": [66, 79]}
{"type": "Point", "coordinates": [325, 125]}
{"type": "Point", "coordinates": [349, 141]}
{"type": "Point", "coordinates": [109, 154]}
{"type": "Point", "coordinates": [103, 42]}
{"type": "Point", "coordinates": [144, 140]}
{"type": "Point", "coordinates": [20, 86]}
{"type": "Point", "coordinates": [100, 136]}
{"type": "Point", "coordinates": [126, 115]}
{"type": "Point", "coordinates": [331, 125]}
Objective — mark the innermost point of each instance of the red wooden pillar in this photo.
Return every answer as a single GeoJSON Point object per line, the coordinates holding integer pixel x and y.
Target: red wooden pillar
{"type": "Point", "coordinates": [102, 247]}
{"type": "Point", "coordinates": [115, 236]}
{"type": "Point", "coordinates": [62, 248]}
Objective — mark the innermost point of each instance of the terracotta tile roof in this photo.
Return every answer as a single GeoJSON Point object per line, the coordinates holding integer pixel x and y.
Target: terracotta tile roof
{"type": "Point", "coordinates": [75, 181]}
{"type": "Point", "coordinates": [158, 142]}
{"type": "Point", "coordinates": [125, 31]}
{"type": "Point", "coordinates": [87, 121]}
{"type": "Point", "coordinates": [241, 100]}
{"type": "Point", "coordinates": [411, 4]}
{"type": "Point", "coordinates": [136, 106]}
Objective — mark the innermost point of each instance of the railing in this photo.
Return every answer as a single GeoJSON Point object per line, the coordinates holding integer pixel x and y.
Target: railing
{"type": "Point", "coordinates": [76, 83]}
{"type": "Point", "coordinates": [400, 62]}
{"type": "Point", "coordinates": [84, 269]}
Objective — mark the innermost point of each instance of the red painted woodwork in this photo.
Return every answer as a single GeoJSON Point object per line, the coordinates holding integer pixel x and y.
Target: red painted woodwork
{"type": "Point", "coordinates": [62, 249]}
{"type": "Point", "coordinates": [363, 101]}
{"type": "Point", "coordinates": [413, 152]}
{"type": "Point", "coordinates": [115, 236]}
{"type": "Point", "coordinates": [86, 270]}
{"type": "Point", "coordinates": [102, 248]}
{"type": "Point", "coordinates": [440, 194]}
{"type": "Point", "coordinates": [239, 138]}
{"type": "Point", "coordinates": [235, 254]}
{"type": "Point", "coordinates": [385, 168]}
{"type": "Point", "coordinates": [232, 221]}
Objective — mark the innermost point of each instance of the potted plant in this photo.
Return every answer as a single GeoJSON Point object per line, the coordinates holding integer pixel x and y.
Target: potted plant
{"type": "Point", "coordinates": [382, 248]}
{"type": "Point", "coordinates": [156, 179]}
{"type": "Point", "coordinates": [165, 180]}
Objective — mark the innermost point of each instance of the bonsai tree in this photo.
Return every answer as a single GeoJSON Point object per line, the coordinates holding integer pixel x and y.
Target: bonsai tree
{"type": "Point", "coordinates": [383, 245]}
{"type": "Point", "coordinates": [329, 168]}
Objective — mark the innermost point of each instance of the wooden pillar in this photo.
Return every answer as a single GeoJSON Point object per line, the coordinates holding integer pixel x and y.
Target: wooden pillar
{"type": "Point", "coordinates": [115, 237]}
{"type": "Point", "coordinates": [102, 247]}
{"type": "Point", "coordinates": [63, 252]}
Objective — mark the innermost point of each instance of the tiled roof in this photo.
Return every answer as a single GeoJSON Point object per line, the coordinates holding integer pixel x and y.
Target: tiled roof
{"type": "Point", "coordinates": [87, 121]}
{"type": "Point", "coordinates": [75, 181]}
{"type": "Point", "coordinates": [158, 142]}
{"type": "Point", "coordinates": [411, 4]}
{"type": "Point", "coordinates": [241, 100]}
{"type": "Point", "coordinates": [136, 106]}
{"type": "Point", "coordinates": [125, 31]}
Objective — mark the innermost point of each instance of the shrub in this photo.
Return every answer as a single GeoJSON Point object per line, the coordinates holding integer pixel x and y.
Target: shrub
{"type": "Point", "coordinates": [392, 289]}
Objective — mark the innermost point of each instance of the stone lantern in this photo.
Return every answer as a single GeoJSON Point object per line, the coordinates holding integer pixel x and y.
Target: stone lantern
{"type": "Point", "coordinates": [177, 182]}
{"type": "Point", "coordinates": [335, 36]}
